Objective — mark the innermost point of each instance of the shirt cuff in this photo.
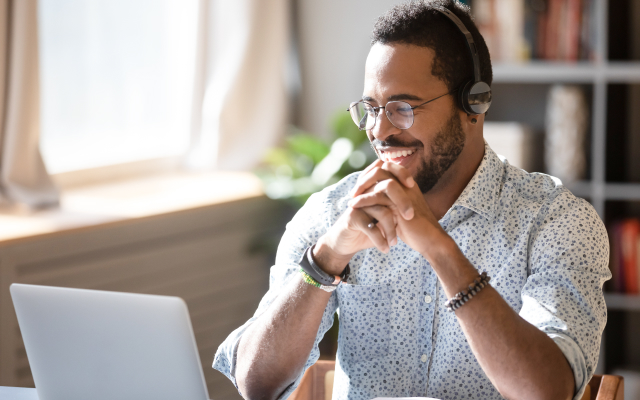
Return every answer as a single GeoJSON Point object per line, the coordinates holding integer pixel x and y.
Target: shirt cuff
{"type": "Point", "coordinates": [576, 360]}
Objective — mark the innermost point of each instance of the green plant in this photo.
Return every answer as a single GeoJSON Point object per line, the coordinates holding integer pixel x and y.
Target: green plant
{"type": "Point", "coordinates": [306, 163]}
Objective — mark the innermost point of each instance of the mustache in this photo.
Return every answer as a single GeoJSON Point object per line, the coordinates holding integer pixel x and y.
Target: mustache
{"type": "Point", "coordinates": [393, 141]}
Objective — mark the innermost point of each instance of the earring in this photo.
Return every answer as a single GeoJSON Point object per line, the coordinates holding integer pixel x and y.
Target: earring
{"type": "Point", "coordinates": [473, 120]}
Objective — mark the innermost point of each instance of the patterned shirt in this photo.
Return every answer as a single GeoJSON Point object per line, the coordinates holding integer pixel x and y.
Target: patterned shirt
{"type": "Point", "coordinates": [546, 251]}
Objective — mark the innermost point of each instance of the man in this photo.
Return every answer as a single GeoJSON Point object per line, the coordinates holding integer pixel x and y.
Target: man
{"type": "Point", "coordinates": [418, 226]}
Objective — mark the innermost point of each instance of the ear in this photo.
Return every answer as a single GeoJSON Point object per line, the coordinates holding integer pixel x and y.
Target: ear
{"type": "Point", "coordinates": [472, 123]}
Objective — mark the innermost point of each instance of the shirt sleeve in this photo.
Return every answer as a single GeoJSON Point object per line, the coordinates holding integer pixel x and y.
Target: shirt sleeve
{"type": "Point", "coordinates": [569, 258]}
{"type": "Point", "coordinates": [305, 229]}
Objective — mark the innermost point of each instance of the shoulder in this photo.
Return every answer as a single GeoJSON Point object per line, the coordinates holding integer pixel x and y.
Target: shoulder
{"type": "Point", "coordinates": [546, 193]}
{"type": "Point", "coordinates": [533, 186]}
{"type": "Point", "coordinates": [333, 199]}
{"type": "Point", "coordinates": [564, 225]}
{"type": "Point", "coordinates": [341, 189]}
{"type": "Point", "coordinates": [322, 208]}
{"type": "Point", "coordinates": [559, 217]}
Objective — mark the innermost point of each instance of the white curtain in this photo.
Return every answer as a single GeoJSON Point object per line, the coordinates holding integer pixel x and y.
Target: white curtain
{"type": "Point", "coordinates": [23, 175]}
{"type": "Point", "coordinates": [240, 102]}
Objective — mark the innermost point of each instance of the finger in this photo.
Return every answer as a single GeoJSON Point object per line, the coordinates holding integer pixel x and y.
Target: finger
{"type": "Point", "coordinates": [370, 178]}
{"type": "Point", "coordinates": [386, 222]}
{"type": "Point", "coordinates": [376, 172]}
{"type": "Point", "coordinates": [376, 164]}
{"type": "Point", "coordinates": [401, 173]}
{"type": "Point", "coordinates": [359, 220]}
{"type": "Point", "coordinates": [386, 193]}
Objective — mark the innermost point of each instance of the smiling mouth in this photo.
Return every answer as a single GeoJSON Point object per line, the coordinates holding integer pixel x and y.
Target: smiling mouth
{"type": "Point", "coordinates": [395, 156]}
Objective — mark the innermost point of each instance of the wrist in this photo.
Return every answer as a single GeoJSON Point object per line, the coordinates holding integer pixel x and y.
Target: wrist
{"type": "Point", "coordinates": [328, 260]}
{"type": "Point", "coordinates": [438, 245]}
{"type": "Point", "coordinates": [450, 264]}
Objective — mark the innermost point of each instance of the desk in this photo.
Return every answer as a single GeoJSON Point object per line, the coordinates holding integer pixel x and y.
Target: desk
{"type": "Point", "coordinates": [17, 393]}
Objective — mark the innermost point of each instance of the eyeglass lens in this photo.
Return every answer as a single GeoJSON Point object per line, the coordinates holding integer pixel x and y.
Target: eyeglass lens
{"type": "Point", "coordinates": [364, 115]}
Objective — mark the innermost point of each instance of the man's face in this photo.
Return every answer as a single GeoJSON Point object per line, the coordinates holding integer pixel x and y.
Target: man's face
{"type": "Point", "coordinates": [436, 138]}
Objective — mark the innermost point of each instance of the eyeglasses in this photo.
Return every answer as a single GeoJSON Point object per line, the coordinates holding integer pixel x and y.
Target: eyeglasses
{"type": "Point", "coordinates": [400, 113]}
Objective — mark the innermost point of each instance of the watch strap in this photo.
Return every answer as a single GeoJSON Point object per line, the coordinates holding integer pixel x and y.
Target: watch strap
{"type": "Point", "coordinates": [313, 270]}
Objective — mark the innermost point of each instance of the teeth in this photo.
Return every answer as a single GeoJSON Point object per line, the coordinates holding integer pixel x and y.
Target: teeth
{"type": "Point", "coordinates": [396, 154]}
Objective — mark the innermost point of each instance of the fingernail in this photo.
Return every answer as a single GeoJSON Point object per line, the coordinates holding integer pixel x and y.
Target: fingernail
{"type": "Point", "coordinates": [410, 182]}
{"type": "Point", "coordinates": [409, 213]}
{"type": "Point", "coordinates": [350, 203]}
{"type": "Point", "coordinates": [394, 241]}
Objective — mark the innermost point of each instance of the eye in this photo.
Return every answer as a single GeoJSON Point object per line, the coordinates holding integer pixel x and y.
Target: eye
{"type": "Point", "coordinates": [369, 109]}
{"type": "Point", "coordinates": [404, 110]}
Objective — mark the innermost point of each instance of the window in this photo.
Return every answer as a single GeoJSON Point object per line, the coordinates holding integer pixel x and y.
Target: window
{"type": "Point", "coordinates": [116, 80]}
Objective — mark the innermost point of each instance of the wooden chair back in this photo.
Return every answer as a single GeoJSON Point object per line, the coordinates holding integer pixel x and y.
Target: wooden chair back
{"type": "Point", "coordinates": [605, 387]}
{"type": "Point", "coordinates": [317, 384]}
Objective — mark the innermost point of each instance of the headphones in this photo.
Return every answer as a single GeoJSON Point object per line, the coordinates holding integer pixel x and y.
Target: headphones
{"type": "Point", "coordinates": [474, 96]}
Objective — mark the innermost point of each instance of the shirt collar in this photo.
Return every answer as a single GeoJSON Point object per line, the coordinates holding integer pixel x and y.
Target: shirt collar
{"type": "Point", "coordinates": [483, 190]}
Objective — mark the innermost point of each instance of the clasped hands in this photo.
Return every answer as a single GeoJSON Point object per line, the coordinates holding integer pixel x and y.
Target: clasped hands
{"type": "Point", "coordinates": [387, 193]}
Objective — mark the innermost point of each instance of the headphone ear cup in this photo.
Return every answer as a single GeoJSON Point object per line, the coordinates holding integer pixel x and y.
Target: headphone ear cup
{"type": "Point", "coordinates": [476, 97]}
{"type": "Point", "coordinates": [463, 97]}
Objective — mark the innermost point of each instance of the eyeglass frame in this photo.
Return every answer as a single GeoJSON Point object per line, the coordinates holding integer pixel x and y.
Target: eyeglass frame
{"type": "Point", "coordinates": [376, 109]}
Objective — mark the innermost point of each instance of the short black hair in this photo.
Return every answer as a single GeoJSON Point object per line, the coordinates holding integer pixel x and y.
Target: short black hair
{"type": "Point", "coordinates": [419, 23]}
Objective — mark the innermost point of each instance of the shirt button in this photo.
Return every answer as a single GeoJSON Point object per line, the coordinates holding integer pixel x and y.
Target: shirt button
{"type": "Point", "coordinates": [427, 299]}
{"type": "Point", "coordinates": [423, 358]}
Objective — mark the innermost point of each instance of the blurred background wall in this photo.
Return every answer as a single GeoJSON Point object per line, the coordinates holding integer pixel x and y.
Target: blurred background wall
{"type": "Point", "coordinates": [333, 39]}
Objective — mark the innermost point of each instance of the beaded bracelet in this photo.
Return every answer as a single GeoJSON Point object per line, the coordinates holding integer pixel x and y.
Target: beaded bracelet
{"type": "Point", "coordinates": [462, 297]}
{"type": "Point", "coordinates": [309, 279]}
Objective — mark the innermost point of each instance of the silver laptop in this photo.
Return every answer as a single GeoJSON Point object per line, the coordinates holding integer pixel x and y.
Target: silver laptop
{"type": "Point", "coordinates": [98, 345]}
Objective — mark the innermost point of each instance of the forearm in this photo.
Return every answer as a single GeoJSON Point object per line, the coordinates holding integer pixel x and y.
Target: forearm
{"type": "Point", "coordinates": [520, 360]}
{"type": "Point", "coordinates": [274, 349]}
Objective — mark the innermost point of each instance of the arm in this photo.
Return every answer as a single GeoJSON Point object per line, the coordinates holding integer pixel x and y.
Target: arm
{"type": "Point", "coordinates": [275, 348]}
{"type": "Point", "coordinates": [562, 302]}
{"type": "Point", "coordinates": [521, 361]}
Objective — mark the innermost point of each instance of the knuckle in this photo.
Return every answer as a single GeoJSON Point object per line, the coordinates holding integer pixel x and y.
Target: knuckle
{"type": "Point", "coordinates": [393, 185]}
{"type": "Point", "coordinates": [384, 185]}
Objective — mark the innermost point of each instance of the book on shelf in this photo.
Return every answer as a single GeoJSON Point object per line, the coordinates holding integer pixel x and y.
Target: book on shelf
{"type": "Point", "coordinates": [625, 256]}
{"type": "Point", "coordinates": [522, 30]}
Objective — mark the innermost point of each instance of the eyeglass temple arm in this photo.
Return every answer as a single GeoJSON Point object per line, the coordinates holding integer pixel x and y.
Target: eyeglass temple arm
{"type": "Point", "coordinates": [429, 101]}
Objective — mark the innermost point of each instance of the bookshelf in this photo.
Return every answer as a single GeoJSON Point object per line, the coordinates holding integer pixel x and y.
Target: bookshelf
{"type": "Point", "coordinates": [622, 302]}
{"type": "Point", "coordinates": [599, 75]}
{"type": "Point", "coordinates": [612, 194]}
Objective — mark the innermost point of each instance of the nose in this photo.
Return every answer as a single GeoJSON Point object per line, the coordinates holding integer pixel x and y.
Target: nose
{"type": "Point", "coordinates": [383, 128]}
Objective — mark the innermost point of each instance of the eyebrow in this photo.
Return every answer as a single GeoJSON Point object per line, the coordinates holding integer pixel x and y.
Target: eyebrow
{"type": "Point", "coordinates": [395, 97]}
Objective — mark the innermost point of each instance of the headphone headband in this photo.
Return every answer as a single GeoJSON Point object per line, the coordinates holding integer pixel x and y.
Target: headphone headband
{"type": "Point", "coordinates": [474, 96]}
{"type": "Point", "coordinates": [470, 42]}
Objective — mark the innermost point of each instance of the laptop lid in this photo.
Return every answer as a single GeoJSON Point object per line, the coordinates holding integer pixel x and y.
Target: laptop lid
{"type": "Point", "coordinates": [99, 345]}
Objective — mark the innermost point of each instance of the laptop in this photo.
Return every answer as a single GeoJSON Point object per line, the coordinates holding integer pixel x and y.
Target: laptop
{"type": "Point", "coordinates": [99, 345]}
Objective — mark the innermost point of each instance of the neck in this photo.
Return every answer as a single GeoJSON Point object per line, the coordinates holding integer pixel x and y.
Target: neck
{"type": "Point", "coordinates": [442, 196]}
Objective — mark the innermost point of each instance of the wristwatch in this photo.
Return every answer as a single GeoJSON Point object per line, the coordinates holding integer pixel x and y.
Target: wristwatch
{"type": "Point", "coordinates": [313, 270]}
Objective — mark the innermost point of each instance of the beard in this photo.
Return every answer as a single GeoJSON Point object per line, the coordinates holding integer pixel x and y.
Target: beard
{"type": "Point", "coordinates": [444, 151]}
